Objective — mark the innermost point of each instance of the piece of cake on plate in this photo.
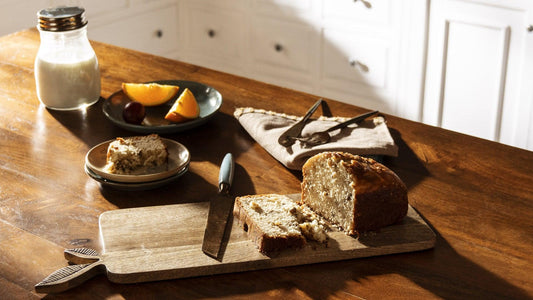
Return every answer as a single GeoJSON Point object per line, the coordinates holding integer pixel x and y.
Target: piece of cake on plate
{"type": "Point", "coordinates": [133, 155]}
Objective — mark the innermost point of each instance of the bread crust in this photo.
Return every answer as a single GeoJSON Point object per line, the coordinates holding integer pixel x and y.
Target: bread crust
{"type": "Point", "coordinates": [380, 197]}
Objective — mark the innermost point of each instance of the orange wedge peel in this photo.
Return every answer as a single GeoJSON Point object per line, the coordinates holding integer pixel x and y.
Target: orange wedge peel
{"type": "Point", "coordinates": [184, 109]}
{"type": "Point", "coordinates": [149, 94]}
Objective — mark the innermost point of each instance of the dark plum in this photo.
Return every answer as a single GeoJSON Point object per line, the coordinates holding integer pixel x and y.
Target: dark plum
{"type": "Point", "coordinates": [134, 112]}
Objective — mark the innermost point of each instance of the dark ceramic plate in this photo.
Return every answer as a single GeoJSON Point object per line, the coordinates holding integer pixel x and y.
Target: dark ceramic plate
{"type": "Point", "coordinates": [135, 186]}
{"type": "Point", "coordinates": [207, 97]}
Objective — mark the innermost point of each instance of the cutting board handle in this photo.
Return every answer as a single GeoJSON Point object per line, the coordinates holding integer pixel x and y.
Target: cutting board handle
{"type": "Point", "coordinates": [81, 255]}
{"type": "Point", "coordinates": [87, 264]}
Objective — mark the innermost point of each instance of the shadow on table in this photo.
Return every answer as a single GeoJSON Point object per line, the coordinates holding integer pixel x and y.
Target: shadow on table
{"type": "Point", "coordinates": [189, 188]}
{"type": "Point", "coordinates": [89, 125]}
{"type": "Point", "coordinates": [207, 153]}
{"type": "Point", "coordinates": [407, 165]}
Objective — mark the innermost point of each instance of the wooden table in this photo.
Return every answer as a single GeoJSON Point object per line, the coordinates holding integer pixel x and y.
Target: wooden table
{"type": "Point", "coordinates": [477, 195]}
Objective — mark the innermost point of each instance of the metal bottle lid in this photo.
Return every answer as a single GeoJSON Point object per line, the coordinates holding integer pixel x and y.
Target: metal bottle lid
{"type": "Point", "coordinates": [61, 18]}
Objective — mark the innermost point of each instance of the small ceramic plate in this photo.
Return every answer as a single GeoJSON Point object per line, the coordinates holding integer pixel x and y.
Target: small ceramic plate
{"type": "Point", "coordinates": [207, 97]}
{"type": "Point", "coordinates": [133, 186]}
{"type": "Point", "coordinates": [178, 158]}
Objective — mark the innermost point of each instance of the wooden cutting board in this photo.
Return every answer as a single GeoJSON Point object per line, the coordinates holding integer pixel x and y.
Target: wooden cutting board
{"type": "Point", "coordinates": [165, 242]}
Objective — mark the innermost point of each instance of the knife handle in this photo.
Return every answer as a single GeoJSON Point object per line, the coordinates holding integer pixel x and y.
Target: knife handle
{"type": "Point", "coordinates": [225, 177]}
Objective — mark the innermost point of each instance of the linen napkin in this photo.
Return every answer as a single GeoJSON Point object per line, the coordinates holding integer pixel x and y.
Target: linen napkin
{"type": "Point", "coordinates": [371, 137]}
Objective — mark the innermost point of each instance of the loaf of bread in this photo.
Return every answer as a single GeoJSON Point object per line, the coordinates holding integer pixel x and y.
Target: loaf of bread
{"type": "Point", "coordinates": [136, 154]}
{"type": "Point", "coordinates": [275, 222]}
{"type": "Point", "coordinates": [355, 193]}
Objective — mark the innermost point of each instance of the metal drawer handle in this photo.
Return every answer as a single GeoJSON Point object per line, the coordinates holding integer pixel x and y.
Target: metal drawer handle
{"type": "Point", "coordinates": [278, 47]}
{"type": "Point", "coordinates": [211, 33]}
{"type": "Point", "coordinates": [355, 63]}
{"type": "Point", "coordinates": [530, 28]}
{"type": "Point", "coordinates": [159, 33]}
{"type": "Point", "coordinates": [365, 2]}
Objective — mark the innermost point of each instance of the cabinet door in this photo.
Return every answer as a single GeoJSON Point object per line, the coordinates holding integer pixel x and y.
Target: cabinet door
{"type": "Point", "coordinates": [283, 50]}
{"type": "Point", "coordinates": [153, 31]}
{"type": "Point", "coordinates": [360, 66]}
{"type": "Point", "coordinates": [213, 36]}
{"type": "Point", "coordinates": [476, 55]}
{"type": "Point", "coordinates": [355, 60]}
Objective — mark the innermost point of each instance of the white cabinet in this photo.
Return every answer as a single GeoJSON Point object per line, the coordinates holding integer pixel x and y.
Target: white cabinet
{"type": "Point", "coordinates": [152, 29]}
{"type": "Point", "coordinates": [283, 51]}
{"type": "Point", "coordinates": [212, 36]}
{"type": "Point", "coordinates": [372, 54]}
{"type": "Point", "coordinates": [359, 50]}
{"type": "Point", "coordinates": [347, 50]}
{"type": "Point", "coordinates": [479, 69]}
{"type": "Point", "coordinates": [465, 65]}
{"type": "Point", "coordinates": [357, 65]}
{"type": "Point", "coordinates": [149, 26]}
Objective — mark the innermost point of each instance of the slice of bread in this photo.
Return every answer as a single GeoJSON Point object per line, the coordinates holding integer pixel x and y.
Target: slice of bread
{"type": "Point", "coordinates": [358, 194]}
{"type": "Point", "coordinates": [276, 222]}
{"type": "Point", "coordinates": [134, 155]}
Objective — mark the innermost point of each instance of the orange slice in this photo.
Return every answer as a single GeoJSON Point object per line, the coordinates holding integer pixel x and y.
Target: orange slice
{"type": "Point", "coordinates": [149, 94]}
{"type": "Point", "coordinates": [184, 109]}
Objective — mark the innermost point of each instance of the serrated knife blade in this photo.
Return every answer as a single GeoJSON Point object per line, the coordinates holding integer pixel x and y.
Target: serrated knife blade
{"type": "Point", "coordinates": [220, 209]}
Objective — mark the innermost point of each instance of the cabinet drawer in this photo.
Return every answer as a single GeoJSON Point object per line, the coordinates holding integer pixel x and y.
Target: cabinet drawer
{"type": "Point", "coordinates": [361, 12]}
{"type": "Point", "coordinates": [214, 33]}
{"type": "Point", "coordinates": [154, 31]}
{"type": "Point", "coordinates": [353, 59]}
{"type": "Point", "coordinates": [282, 44]}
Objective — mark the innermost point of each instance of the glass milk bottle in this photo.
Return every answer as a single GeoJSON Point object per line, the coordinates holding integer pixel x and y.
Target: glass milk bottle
{"type": "Point", "coordinates": [67, 75]}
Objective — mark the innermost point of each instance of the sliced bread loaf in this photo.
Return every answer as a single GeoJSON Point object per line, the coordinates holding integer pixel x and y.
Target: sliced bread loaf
{"type": "Point", "coordinates": [358, 194]}
{"type": "Point", "coordinates": [275, 222]}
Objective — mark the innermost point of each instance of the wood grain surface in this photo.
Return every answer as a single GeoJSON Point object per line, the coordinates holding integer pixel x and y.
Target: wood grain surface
{"type": "Point", "coordinates": [476, 195]}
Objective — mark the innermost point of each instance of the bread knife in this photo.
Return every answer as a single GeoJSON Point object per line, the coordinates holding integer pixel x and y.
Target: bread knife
{"type": "Point", "coordinates": [220, 210]}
